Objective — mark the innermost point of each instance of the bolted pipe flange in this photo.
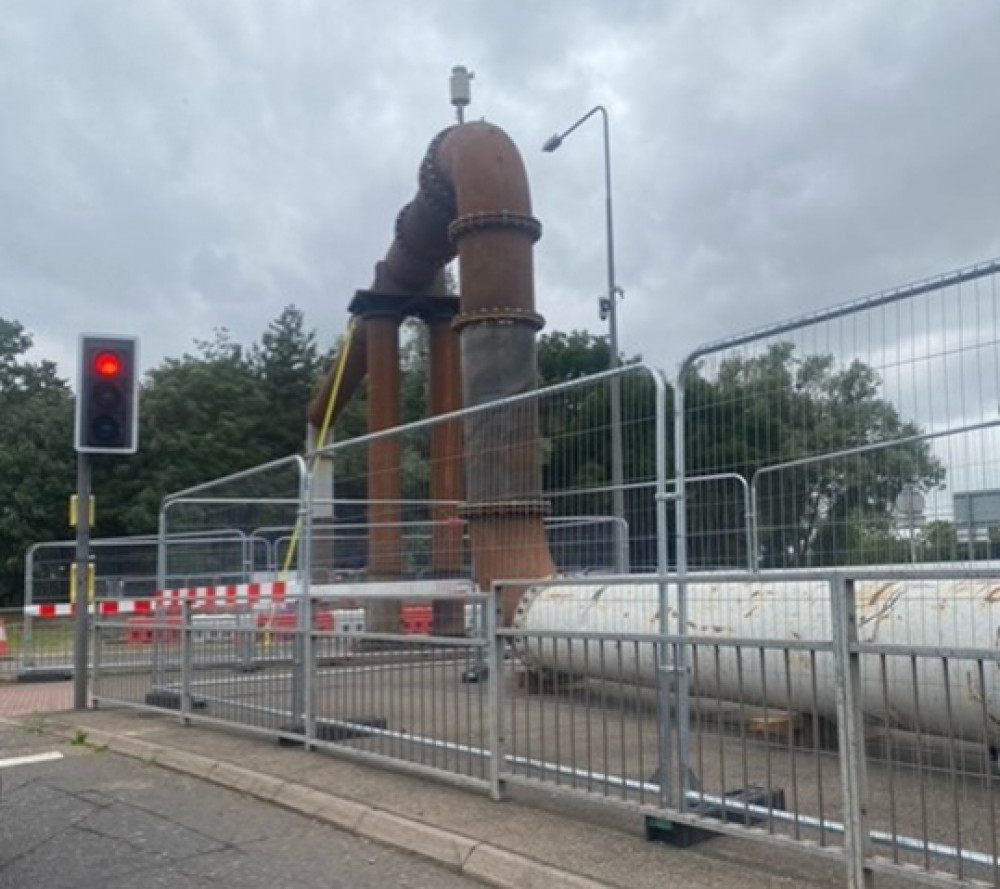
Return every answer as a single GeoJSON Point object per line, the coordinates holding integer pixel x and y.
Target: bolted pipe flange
{"type": "Point", "coordinates": [499, 315]}
{"type": "Point", "coordinates": [435, 187]}
{"type": "Point", "coordinates": [478, 222]}
{"type": "Point", "coordinates": [517, 509]}
{"type": "Point", "coordinates": [524, 606]}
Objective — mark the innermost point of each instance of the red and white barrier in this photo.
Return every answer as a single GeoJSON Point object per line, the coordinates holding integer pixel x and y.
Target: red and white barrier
{"type": "Point", "coordinates": [65, 609]}
{"type": "Point", "coordinates": [208, 598]}
{"type": "Point", "coordinates": [202, 598]}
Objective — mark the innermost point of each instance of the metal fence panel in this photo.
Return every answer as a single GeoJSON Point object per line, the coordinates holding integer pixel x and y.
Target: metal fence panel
{"type": "Point", "coordinates": [594, 682]}
{"type": "Point", "coordinates": [866, 436]}
{"type": "Point", "coordinates": [562, 470]}
{"type": "Point", "coordinates": [124, 568]}
{"type": "Point", "coordinates": [931, 704]}
{"type": "Point", "coordinates": [406, 696]}
{"type": "Point", "coordinates": [136, 657]}
{"type": "Point", "coordinates": [860, 432]}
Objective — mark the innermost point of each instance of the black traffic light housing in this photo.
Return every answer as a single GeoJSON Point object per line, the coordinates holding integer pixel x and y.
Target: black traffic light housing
{"type": "Point", "coordinates": [107, 398]}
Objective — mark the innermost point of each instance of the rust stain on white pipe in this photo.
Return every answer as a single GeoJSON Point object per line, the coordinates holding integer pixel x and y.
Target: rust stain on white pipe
{"type": "Point", "coordinates": [928, 613]}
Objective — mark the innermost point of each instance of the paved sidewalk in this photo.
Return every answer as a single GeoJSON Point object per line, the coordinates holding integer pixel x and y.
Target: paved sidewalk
{"type": "Point", "coordinates": [532, 840]}
{"type": "Point", "coordinates": [40, 697]}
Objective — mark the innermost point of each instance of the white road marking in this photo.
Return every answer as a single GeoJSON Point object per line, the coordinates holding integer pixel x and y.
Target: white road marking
{"type": "Point", "coordinates": [29, 760]}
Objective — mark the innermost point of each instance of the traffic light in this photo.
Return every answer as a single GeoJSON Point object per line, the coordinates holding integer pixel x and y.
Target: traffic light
{"type": "Point", "coordinates": [107, 398]}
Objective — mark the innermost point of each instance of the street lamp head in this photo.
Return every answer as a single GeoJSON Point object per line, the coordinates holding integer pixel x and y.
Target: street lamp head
{"type": "Point", "coordinates": [552, 143]}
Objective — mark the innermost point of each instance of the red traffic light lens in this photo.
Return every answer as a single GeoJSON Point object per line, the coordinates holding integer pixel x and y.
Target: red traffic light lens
{"type": "Point", "coordinates": [107, 364]}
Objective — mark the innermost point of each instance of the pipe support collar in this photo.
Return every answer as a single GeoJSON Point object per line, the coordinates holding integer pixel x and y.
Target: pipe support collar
{"type": "Point", "coordinates": [519, 509]}
{"type": "Point", "coordinates": [499, 315]}
{"type": "Point", "coordinates": [479, 222]}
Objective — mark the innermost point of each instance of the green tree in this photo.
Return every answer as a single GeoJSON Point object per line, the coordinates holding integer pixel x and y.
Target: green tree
{"type": "Point", "coordinates": [36, 455]}
{"type": "Point", "coordinates": [287, 364]}
{"type": "Point", "coordinates": [576, 446]}
{"type": "Point", "coordinates": [201, 418]}
{"type": "Point", "coordinates": [568, 356]}
{"type": "Point", "coordinates": [938, 542]}
{"type": "Point", "coordinates": [415, 369]}
{"type": "Point", "coordinates": [774, 409]}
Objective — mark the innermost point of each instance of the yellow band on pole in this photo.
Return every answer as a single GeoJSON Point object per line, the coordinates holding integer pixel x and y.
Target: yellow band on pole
{"type": "Point", "coordinates": [90, 581]}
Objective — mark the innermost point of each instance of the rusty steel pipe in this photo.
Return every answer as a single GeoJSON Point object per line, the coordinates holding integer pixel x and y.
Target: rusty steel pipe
{"type": "Point", "coordinates": [352, 377]}
{"type": "Point", "coordinates": [383, 454]}
{"type": "Point", "coordinates": [384, 538]}
{"type": "Point", "coordinates": [474, 200]}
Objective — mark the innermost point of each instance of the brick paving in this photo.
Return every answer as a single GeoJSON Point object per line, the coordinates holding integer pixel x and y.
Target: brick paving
{"type": "Point", "coordinates": [40, 697]}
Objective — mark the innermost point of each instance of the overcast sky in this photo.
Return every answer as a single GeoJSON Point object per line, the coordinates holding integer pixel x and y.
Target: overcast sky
{"type": "Point", "coordinates": [167, 167]}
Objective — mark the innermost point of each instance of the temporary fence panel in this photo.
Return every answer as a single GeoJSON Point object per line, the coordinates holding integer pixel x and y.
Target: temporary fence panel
{"type": "Point", "coordinates": [126, 566]}
{"type": "Point", "coordinates": [122, 568]}
{"type": "Point", "coordinates": [581, 690]}
{"type": "Point", "coordinates": [407, 696]}
{"type": "Point", "coordinates": [860, 435]}
{"type": "Point", "coordinates": [865, 436]}
{"type": "Point", "coordinates": [410, 695]}
{"type": "Point", "coordinates": [269, 495]}
{"type": "Point", "coordinates": [531, 485]}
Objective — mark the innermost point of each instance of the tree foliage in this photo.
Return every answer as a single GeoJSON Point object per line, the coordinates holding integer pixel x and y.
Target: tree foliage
{"type": "Point", "coordinates": [36, 465]}
{"type": "Point", "coordinates": [773, 417]}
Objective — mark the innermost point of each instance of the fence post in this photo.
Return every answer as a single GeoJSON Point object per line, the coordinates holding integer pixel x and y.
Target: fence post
{"type": "Point", "coordinates": [159, 607]}
{"type": "Point", "coordinates": [682, 716]}
{"type": "Point", "coordinates": [247, 555]}
{"type": "Point", "coordinates": [495, 703]}
{"type": "Point", "coordinates": [97, 646]}
{"type": "Point", "coordinates": [850, 732]}
{"type": "Point", "coordinates": [27, 659]}
{"type": "Point", "coordinates": [309, 692]}
{"type": "Point", "coordinates": [301, 664]}
{"type": "Point", "coordinates": [186, 625]}
{"type": "Point", "coordinates": [754, 560]}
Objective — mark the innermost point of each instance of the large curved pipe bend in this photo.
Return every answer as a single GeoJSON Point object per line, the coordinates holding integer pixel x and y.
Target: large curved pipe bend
{"type": "Point", "coordinates": [473, 200]}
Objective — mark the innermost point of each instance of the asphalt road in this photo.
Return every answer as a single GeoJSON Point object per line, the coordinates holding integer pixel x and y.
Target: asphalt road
{"type": "Point", "coordinates": [94, 820]}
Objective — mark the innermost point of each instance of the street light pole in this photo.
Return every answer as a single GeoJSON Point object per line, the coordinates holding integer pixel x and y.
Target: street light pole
{"type": "Point", "coordinates": [609, 310]}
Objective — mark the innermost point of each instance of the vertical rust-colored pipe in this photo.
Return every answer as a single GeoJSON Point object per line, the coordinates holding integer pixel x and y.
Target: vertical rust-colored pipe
{"type": "Point", "coordinates": [384, 538]}
{"type": "Point", "coordinates": [494, 233]}
{"type": "Point", "coordinates": [446, 470]}
{"type": "Point", "coordinates": [474, 199]}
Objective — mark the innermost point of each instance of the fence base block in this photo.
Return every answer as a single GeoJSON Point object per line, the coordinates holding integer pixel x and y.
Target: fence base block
{"type": "Point", "coordinates": [359, 727]}
{"type": "Point", "coordinates": [166, 699]}
{"type": "Point", "coordinates": [663, 830]}
{"type": "Point", "coordinates": [43, 674]}
{"type": "Point", "coordinates": [476, 673]}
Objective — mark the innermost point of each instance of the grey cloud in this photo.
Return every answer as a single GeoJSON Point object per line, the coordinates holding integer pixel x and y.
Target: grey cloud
{"type": "Point", "coordinates": [176, 166]}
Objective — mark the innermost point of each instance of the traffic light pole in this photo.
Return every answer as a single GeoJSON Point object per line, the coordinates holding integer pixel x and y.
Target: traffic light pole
{"type": "Point", "coordinates": [81, 622]}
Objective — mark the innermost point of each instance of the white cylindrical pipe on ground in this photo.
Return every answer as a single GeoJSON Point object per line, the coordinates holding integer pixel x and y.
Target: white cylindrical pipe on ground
{"type": "Point", "coordinates": [913, 612]}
